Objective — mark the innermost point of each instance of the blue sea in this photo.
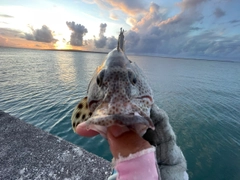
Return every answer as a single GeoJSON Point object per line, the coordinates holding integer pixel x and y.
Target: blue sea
{"type": "Point", "coordinates": [201, 97]}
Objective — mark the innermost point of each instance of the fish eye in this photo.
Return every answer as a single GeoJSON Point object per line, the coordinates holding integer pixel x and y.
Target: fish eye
{"type": "Point", "coordinates": [132, 77]}
{"type": "Point", "coordinates": [100, 78]}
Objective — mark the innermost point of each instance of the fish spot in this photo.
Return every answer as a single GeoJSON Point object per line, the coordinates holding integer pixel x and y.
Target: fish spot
{"type": "Point", "coordinates": [83, 116]}
{"type": "Point", "coordinates": [74, 124]}
{"type": "Point", "coordinates": [90, 114]}
{"type": "Point", "coordinates": [77, 115]}
{"type": "Point", "coordinates": [80, 106]}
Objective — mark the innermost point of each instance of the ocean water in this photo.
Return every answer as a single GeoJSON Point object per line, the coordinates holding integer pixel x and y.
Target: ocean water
{"type": "Point", "coordinates": [202, 99]}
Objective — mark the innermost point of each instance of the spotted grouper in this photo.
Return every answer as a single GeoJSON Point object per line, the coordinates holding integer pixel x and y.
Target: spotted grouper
{"type": "Point", "coordinates": [119, 94]}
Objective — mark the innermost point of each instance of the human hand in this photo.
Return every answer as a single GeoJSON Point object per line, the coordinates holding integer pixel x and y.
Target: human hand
{"type": "Point", "coordinates": [82, 130]}
{"type": "Point", "coordinates": [122, 140]}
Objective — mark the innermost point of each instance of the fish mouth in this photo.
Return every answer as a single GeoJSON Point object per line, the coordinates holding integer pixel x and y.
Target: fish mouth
{"type": "Point", "coordinates": [133, 121]}
{"type": "Point", "coordinates": [134, 114]}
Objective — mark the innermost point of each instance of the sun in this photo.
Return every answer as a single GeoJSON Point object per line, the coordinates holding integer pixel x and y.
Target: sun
{"type": "Point", "coordinates": [61, 45]}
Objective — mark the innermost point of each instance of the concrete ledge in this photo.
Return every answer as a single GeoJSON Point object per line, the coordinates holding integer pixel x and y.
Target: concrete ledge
{"type": "Point", "coordinates": [30, 153]}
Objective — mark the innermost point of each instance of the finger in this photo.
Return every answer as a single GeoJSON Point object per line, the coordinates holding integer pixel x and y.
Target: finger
{"type": "Point", "coordinates": [127, 143]}
{"type": "Point", "coordinates": [82, 130]}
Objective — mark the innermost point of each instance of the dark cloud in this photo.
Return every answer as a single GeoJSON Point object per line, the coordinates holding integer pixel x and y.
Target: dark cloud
{"type": "Point", "coordinates": [234, 21]}
{"type": "Point", "coordinates": [78, 31]}
{"type": "Point", "coordinates": [219, 12]}
{"type": "Point", "coordinates": [157, 35]}
{"type": "Point", "coordinates": [103, 27]}
{"type": "Point", "coordinates": [209, 44]}
{"type": "Point", "coordinates": [103, 41]}
{"type": "Point", "coordinates": [195, 28]}
{"type": "Point", "coordinates": [29, 36]}
{"type": "Point", "coordinates": [11, 32]}
{"type": "Point", "coordinates": [205, 45]}
{"type": "Point", "coordinates": [190, 4]}
{"type": "Point", "coordinates": [111, 42]}
{"type": "Point", "coordinates": [42, 35]}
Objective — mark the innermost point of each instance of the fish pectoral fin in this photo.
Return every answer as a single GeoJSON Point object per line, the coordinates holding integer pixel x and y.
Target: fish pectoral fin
{"type": "Point", "coordinates": [80, 113]}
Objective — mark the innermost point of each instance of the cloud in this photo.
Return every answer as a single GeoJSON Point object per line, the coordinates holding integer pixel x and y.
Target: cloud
{"type": "Point", "coordinates": [209, 44]}
{"type": "Point", "coordinates": [133, 7]}
{"type": "Point", "coordinates": [78, 31]}
{"type": "Point", "coordinates": [6, 16]}
{"type": "Point", "coordinates": [103, 41]}
{"type": "Point", "coordinates": [195, 28]}
{"type": "Point", "coordinates": [219, 13]}
{"type": "Point", "coordinates": [42, 35]}
{"type": "Point", "coordinates": [113, 16]}
{"type": "Point", "coordinates": [3, 41]}
{"type": "Point", "coordinates": [180, 35]}
{"type": "Point", "coordinates": [235, 21]}
{"type": "Point", "coordinates": [190, 4]}
{"type": "Point", "coordinates": [10, 32]}
{"type": "Point", "coordinates": [111, 42]}
{"type": "Point", "coordinates": [151, 18]}
{"type": "Point", "coordinates": [103, 27]}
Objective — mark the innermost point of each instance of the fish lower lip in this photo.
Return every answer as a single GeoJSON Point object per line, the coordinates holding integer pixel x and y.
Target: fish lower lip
{"type": "Point", "coordinates": [119, 119]}
{"type": "Point", "coordinates": [137, 123]}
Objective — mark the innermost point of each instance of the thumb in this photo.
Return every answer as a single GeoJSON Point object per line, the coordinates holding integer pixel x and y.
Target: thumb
{"type": "Point", "coordinates": [123, 141]}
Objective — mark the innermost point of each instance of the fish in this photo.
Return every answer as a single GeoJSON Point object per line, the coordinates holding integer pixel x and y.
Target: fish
{"type": "Point", "coordinates": [117, 94]}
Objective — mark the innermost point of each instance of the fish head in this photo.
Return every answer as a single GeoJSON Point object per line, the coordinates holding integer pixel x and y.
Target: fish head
{"type": "Point", "coordinates": [118, 94]}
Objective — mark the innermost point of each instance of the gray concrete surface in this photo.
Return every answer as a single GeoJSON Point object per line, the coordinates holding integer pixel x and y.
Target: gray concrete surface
{"type": "Point", "coordinates": [27, 152]}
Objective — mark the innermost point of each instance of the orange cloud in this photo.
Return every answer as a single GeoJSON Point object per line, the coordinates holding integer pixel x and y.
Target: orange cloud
{"type": "Point", "coordinates": [113, 16]}
{"type": "Point", "coordinates": [133, 7]}
{"type": "Point", "coordinates": [3, 41]}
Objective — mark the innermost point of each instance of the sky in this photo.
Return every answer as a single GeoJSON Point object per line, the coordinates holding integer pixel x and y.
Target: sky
{"type": "Point", "coordinates": [205, 29]}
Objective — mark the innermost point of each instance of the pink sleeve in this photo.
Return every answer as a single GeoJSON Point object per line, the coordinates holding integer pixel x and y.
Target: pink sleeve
{"type": "Point", "coordinates": [141, 166]}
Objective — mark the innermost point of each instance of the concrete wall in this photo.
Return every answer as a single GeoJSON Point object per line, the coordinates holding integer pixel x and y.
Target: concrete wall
{"type": "Point", "coordinates": [30, 153]}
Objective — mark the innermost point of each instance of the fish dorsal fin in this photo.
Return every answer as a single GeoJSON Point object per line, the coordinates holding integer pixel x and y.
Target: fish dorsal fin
{"type": "Point", "coordinates": [121, 40]}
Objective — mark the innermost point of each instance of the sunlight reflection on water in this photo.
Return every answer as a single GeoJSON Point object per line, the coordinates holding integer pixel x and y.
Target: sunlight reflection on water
{"type": "Point", "coordinates": [66, 68]}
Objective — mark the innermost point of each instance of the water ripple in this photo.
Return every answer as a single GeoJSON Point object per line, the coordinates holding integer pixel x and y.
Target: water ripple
{"type": "Point", "coordinates": [202, 99]}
